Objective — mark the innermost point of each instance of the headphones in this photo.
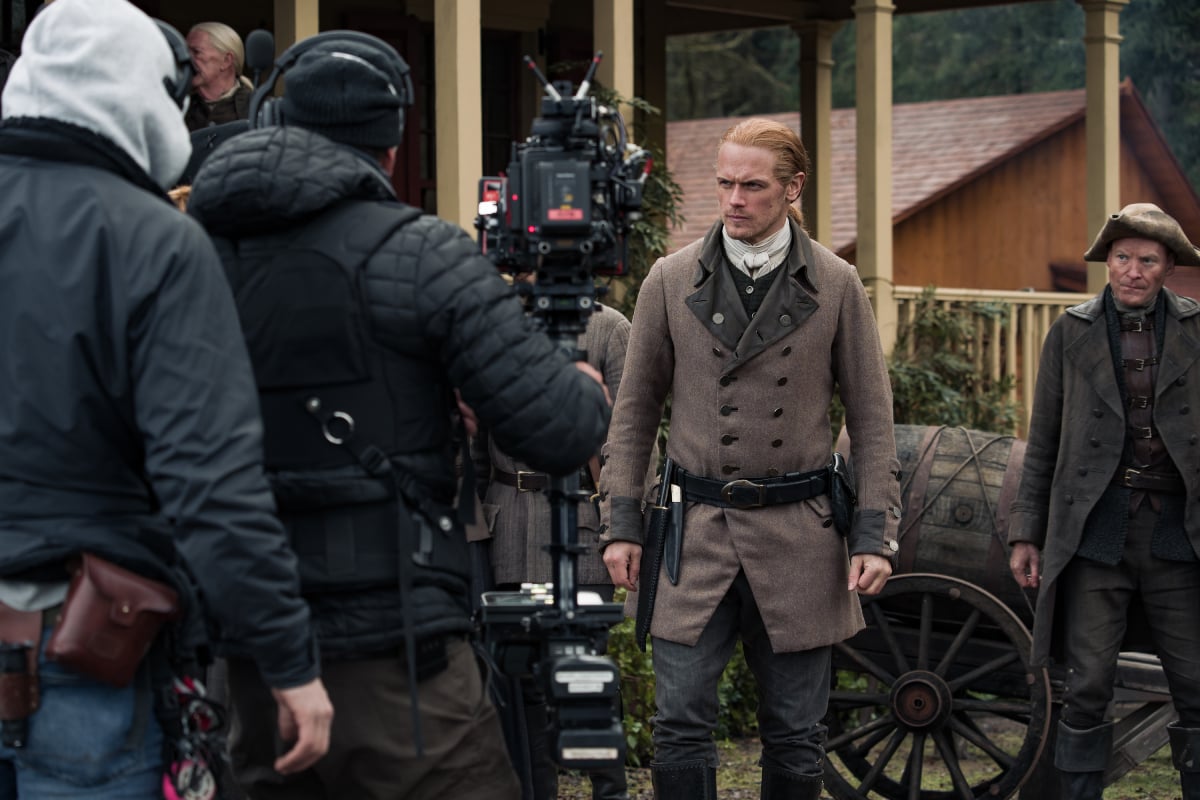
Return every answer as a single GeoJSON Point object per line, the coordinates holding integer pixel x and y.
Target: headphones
{"type": "Point", "coordinates": [266, 110]}
{"type": "Point", "coordinates": [179, 87]}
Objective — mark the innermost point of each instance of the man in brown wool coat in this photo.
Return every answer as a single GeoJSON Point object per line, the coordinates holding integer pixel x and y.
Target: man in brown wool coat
{"type": "Point", "coordinates": [749, 330]}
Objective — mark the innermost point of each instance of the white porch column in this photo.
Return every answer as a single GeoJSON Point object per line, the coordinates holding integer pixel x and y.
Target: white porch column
{"type": "Point", "coordinates": [295, 20]}
{"type": "Point", "coordinates": [816, 108]}
{"type": "Point", "coordinates": [873, 93]}
{"type": "Point", "coordinates": [612, 22]}
{"type": "Point", "coordinates": [1102, 42]}
{"type": "Point", "coordinates": [459, 80]}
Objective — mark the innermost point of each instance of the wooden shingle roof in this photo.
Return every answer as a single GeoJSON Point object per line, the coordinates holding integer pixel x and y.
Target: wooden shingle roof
{"type": "Point", "coordinates": [937, 147]}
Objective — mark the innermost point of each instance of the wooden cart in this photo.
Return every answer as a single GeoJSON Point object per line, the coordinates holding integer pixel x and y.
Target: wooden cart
{"type": "Point", "coordinates": [936, 699]}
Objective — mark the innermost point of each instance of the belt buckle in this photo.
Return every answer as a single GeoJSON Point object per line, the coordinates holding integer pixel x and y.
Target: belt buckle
{"type": "Point", "coordinates": [1128, 477]}
{"type": "Point", "coordinates": [728, 489]}
{"type": "Point", "coordinates": [521, 475]}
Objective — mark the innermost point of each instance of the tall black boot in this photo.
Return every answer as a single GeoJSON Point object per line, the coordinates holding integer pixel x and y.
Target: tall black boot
{"type": "Point", "coordinates": [779, 784]}
{"type": "Point", "coordinates": [1080, 757]}
{"type": "Point", "coordinates": [1185, 753]}
{"type": "Point", "coordinates": [684, 780]}
{"type": "Point", "coordinates": [609, 784]}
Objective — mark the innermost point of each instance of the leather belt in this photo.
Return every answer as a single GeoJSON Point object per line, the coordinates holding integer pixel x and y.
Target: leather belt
{"type": "Point", "coordinates": [1149, 481]}
{"type": "Point", "coordinates": [753, 493]}
{"type": "Point", "coordinates": [524, 481]}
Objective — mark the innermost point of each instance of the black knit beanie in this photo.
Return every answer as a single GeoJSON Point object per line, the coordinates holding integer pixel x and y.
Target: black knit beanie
{"type": "Point", "coordinates": [349, 93]}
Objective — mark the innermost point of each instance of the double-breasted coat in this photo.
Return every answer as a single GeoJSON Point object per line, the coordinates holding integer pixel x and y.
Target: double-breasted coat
{"type": "Point", "coordinates": [1077, 436]}
{"type": "Point", "coordinates": [750, 398]}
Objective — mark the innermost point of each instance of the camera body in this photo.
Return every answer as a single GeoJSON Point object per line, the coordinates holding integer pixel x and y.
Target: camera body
{"type": "Point", "coordinates": [572, 191]}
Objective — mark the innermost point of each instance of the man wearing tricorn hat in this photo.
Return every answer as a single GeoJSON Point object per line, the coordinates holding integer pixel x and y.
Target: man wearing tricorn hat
{"type": "Point", "coordinates": [1107, 517]}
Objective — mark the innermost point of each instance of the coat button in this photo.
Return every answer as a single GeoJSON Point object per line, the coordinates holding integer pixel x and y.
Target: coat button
{"type": "Point", "coordinates": [1095, 442]}
{"type": "Point", "coordinates": [1181, 380]}
{"type": "Point", "coordinates": [750, 289]}
{"type": "Point", "coordinates": [729, 469]}
{"type": "Point", "coordinates": [716, 351]}
{"type": "Point", "coordinates": [727, 410]}
{"type": "Point", "coordinates": [1097, 413]}
{"type": "Point", "coordinates": [1184, 410]}
{"type": "Point", "coordinates": [787, 351]}
{"type": "Point", "coordinates": [777, 443]}
{"type": "Point", "coordinates": [718, 318]}
{"type": "Point", "coordinates": [728, 439]}
{"type": "Point", "coordinates": [781, 382]}
{"type": "Point", "coordinates": [777, 412]}
{"type": "Point", "coordinates": [785, 319]}
{"type": "Point", "coordinates": [726, 380]}
{"type": "Point", "coordinates": [1083, 471]}
{"type": "Point", "coordinates": [1069, 499]}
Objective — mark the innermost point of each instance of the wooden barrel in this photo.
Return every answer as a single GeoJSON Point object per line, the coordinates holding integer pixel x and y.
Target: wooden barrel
{"type": "Point", "coordinates": [956, 487]}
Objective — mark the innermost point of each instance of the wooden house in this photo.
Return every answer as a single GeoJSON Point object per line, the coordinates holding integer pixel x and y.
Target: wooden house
{"type": "Point", "coordinates": [987, 193]}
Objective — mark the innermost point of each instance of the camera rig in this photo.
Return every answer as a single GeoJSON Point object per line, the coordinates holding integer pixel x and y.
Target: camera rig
{"type": "Point", "coordinates": [565, 206]}
{"type": "Point", "coordinates": [562, 213]}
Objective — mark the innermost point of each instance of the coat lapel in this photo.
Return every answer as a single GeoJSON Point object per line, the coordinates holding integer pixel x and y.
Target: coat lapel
{"type": "Point", "coordinates": [719, 309]}
{"type": "Point", "coordinates": [1092, 355]}
{"type": "Point", "coordinates": [715, 302]}
{"type": "Point", "coordinates": [1180, 348]}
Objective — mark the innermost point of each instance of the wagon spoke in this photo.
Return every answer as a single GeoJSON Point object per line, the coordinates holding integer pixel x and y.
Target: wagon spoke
{"type": "Point", "coordinates": [978, 738]}
{"type": "Point", "coordinates": [946, 748]}
{"type": "Point", "coordinates": [995, 665]}
{"type": "Point", "coordinates": [926, 631]}
{"type": "Point", "coordinates": [849, 736]}
{"type": "Point", "coordinates": [889, 636]}
{"type": "Point", "coordinates": [964, 633]}
{"type": "Point", "coordinates": [916, 762]}
{"type": "Point", "coordinates": [867, 664]}
{"type": "Point", "coordinates": [885, 757]}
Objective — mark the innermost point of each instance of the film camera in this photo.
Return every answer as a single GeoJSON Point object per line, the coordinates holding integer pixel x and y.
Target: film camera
{"type": "Point", "coordinates": [572, 192]}
{"type": "Point", "coordinates": [571, 195]}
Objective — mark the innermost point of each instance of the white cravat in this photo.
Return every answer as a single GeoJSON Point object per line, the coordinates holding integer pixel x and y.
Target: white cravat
{"type": "Point", "coordinates": [757, 260]}
{"type": "Point", "coordinates": [753, 260]}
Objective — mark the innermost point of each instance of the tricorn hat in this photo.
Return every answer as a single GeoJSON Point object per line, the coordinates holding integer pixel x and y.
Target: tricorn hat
{"type": "Point", "coordinates": [1144, 221]}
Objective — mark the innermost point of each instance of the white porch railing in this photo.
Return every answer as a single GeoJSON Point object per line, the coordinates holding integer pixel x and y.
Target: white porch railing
{"type": "Point", "coordinates": [1003, 345]}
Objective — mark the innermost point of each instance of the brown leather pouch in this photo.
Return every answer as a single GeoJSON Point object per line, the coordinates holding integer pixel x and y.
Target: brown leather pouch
{"type": "Point", "coordinates": [109, 620]}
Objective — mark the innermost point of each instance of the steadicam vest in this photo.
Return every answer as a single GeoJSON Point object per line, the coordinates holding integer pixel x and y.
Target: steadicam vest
{"type": "Point", "coordinates": [338, 406]}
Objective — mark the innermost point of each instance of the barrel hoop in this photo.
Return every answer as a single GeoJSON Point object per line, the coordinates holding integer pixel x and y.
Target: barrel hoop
{"type": "Point", "coordinates": [914, 494]}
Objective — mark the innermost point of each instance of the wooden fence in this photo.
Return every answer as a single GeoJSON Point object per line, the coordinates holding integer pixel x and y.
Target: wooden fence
{"type": "Point", "coordinates": [1005, 344]}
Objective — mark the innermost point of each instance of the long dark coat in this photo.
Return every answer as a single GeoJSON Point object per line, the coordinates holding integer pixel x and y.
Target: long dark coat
{"type": "Point", "coordinates": [1078, 434]}
{"type": "Point", "coordinates": [751, 398]}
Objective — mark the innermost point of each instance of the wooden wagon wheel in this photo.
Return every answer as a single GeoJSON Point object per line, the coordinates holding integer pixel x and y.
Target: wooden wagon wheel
{"type": "Point", "coordinates": [940, 674]}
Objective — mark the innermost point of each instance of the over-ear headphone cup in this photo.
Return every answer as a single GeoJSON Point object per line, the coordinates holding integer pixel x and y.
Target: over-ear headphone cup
{"type": "Point", "coordinates": [269, 113]}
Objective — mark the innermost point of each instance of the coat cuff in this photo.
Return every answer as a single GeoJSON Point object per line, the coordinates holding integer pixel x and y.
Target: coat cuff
{"type": "Point", "coordinates": [625, 522]}
{"type": "Point", "coordinates": [871, 535]}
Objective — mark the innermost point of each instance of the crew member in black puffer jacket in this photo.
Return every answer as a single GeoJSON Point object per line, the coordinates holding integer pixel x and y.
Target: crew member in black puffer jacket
{"type": "Point", "coordinates": [363, 317]}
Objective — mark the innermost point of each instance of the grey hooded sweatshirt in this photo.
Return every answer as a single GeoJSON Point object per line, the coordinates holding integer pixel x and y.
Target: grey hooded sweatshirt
{"type": "Point", "coordinates": [129, 423]}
